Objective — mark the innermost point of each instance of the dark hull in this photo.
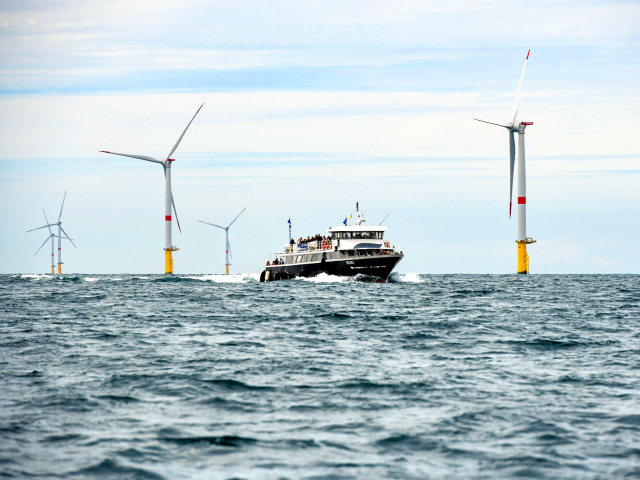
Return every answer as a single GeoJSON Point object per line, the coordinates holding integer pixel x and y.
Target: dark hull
{"type": "Point", "coordinates": [379, 266]}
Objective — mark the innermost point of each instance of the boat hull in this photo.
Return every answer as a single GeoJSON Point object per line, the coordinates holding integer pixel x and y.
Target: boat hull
{"type": "Point", "coordinates": [379, 266]}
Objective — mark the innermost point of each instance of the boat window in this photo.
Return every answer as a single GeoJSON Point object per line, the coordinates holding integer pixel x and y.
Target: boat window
{"type": "Point", "coordinates": [343, 253]}
{"type": "Point", "coordinates": [299, 258]}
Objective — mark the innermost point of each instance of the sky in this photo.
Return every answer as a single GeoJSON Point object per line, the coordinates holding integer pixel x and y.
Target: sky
{"type": "Point", "coordinates": [308, 108]}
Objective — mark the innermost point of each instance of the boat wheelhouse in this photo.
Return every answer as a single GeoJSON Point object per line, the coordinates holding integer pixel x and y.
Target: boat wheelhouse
{"type": "Point", "coordinates": [347, 250]}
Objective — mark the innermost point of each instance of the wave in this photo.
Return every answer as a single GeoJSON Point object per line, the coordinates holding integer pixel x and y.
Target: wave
{"type": "Point", "coordinates": [324, 278]}
{"type": "Point", "coordinates": [396, 277]}
{"type": "Point", "coordinates": [34, 276]}
{"type": "Point", "coordinates": [223, 440]}
{"type": "Point", "coordinates": [232, 278]}
{"type": "Point", "coordinates": [111, 468]}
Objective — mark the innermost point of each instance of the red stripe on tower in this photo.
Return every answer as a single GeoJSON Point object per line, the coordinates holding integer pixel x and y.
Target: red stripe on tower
{"type": "Point", "coordinates": [522, 200]}
{"type": "Point", "coordinates": [167, 218]}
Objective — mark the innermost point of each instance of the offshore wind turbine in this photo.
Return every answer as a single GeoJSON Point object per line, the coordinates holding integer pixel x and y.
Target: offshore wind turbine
{"type": "Point", "coordinates": [168, 196]}
{"type": "Point", "coordinates": [53, 235]}
{"type": "Point", "coordinates": [519, 127]}
{"type": "Point", "coordinates": [226, 231]}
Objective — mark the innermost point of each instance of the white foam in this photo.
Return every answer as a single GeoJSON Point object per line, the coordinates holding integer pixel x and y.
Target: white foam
{"type": "Point", "coordinates": [233, 278]}
{"type": "Point", "coordinates": [116, 279]}
{"type": "Point", "coordinates": [89, 279]}
{"type": "Point", "coordinates": [406, 277]}
{"type": "Point", "coordinates": [37, 277]}
{"type": "Point", "coordinates": [324, 278]}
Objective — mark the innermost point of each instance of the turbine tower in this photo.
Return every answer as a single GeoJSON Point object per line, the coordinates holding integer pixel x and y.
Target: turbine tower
{"type": "Point", "coordinates": [226, 231]}
{"type": "Point", "coordinates": [519, 127]}
{"type": "Point", "coordinates": [168, 197]}
{"type": "Point", "coordinates": [53, 235]}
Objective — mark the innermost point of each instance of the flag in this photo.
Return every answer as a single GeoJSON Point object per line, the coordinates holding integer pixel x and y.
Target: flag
{"type": "Point", "coordinates": [345, 222]}
{"type": "Point", "coordinates": [289, 222]}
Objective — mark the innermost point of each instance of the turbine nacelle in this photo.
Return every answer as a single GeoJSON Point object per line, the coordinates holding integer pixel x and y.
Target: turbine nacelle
{"type": "Point", "coordinates": [516, 126]}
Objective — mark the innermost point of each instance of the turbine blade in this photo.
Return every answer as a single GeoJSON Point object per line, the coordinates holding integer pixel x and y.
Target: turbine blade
{"type": "Point", "coordinates": [52, 235]}
{"type": "Point", "coordinates": [237, 217]}
{"type": "Point", "coordinates": [384, 219]}
{"type": "Point", "coordinates": [491, 123]}
{"type": "Point", "coordinates": [49, 225]}
{"type": "Point", "coordinates": [65, 233]}
{"type": "Point", "coordinates": [229, 247]}
{"type": "Point", "coordinates": [512, 162]}
{"type": "Point", "coordinates": [176, 212]}
{"type": "Point", "coordinates": [139, 157]}
{"type": "Point", "coordinates": [63, 198]}
{"type": "Point", "coordinates": [212, 224]}
{"type": "Point", "coordinates": [180, 139]}
{"type": "Point", "coordinates": [47, 220]}
{"type": "Point", "coordinates": [516, 105]}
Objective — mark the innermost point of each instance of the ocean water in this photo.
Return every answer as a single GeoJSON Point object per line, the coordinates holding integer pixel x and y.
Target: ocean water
{"type": "Point", "coordinates": [212, 376]}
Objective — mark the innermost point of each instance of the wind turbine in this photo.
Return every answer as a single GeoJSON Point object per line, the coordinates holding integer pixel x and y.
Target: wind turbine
{"type": "Point", "coordinates": [226, 231]}
{"type": "Point", "coordinates": [168, 196]}
{"type": "Point", "coordinates": [512, 127]}
{"type": "Point", "coordinates": [53, 235]}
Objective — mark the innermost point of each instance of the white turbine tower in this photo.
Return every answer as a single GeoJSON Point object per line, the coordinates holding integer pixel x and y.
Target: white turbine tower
{"type": "Point", "coordinates": [53, 235]}
{"type": "Point", "coordinates": [513, 126]}
{"type": "Point", "coordinates": [168, 197]}
{"type": "Point", "coordinates": [226, 231]}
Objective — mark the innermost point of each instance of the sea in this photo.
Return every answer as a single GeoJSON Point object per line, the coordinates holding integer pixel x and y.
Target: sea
{"type": "Point", "coordinates": [223, 377]}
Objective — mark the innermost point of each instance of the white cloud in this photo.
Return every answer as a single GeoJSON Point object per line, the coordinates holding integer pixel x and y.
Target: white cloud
{"type": "Point", "coordinates": [396, 124]}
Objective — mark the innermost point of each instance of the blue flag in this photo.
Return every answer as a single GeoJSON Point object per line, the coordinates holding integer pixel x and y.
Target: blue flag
{"type": "Point", "coordinates": [345, 222]}
{"type": "Point", "coordinates": [289, 221]}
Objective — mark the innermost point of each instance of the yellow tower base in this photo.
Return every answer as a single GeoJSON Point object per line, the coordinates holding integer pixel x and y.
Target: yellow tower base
{"type": "Point", "coordinates": [227, 267]}
{"type": "Point", "coordinates": [53, 270]}
{"type": "Point", "coordinates": [168, 260]}
{"type": "Point", "coordinates": [523, 256]}
{"type": "Point", "coordinates": [59, 268]}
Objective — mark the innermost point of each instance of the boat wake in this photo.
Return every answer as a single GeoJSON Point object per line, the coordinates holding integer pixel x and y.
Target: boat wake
{"type": "Point", "coordinates": [232, 278]}
{"type": "Point", "coordinates": [405, 278]}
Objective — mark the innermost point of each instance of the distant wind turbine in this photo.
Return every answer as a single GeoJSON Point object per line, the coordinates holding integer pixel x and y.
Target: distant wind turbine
{"type": "Point", "coordinates": [53, 235]}
{"type": "Point", "coordinates": [226, 230]}
{"type": "Point", "coordinates": [513, 126]}
{"type": "Point", "coordinates": [168, 197]}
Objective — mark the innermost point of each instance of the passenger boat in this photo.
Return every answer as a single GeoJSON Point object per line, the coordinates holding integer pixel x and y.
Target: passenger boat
{"type": "Point", "coordinates": [348, 250]}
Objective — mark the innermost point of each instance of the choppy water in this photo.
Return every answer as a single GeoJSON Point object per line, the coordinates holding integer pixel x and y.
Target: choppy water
{"type": "Point", "coordinates": [207, 376]}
